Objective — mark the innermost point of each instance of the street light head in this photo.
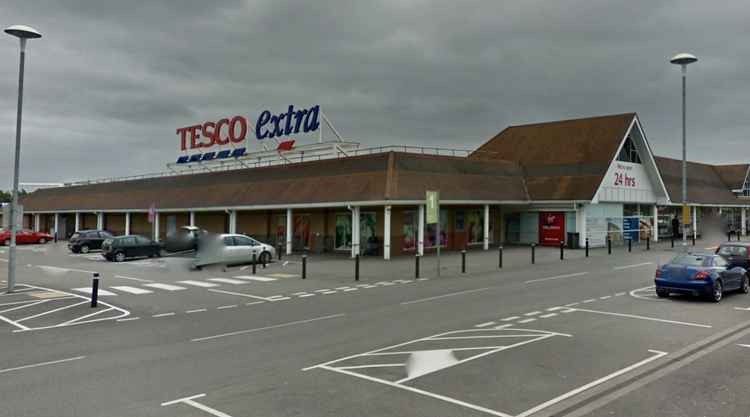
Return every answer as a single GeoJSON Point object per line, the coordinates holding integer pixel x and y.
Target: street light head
{"type": "Point", "coordinates": [683, 59]}
{"type": "Point", "coordinates": [23, 32]}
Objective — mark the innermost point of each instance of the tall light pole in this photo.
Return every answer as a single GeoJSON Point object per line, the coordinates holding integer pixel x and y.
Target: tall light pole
{"type": "Point", "coordinates": [683, 60]}
{"type": "Point", "coordinates": [23, 33]}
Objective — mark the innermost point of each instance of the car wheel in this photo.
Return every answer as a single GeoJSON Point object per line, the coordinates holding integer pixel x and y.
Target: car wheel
{"type": "Point", "coordinates": [717, 292]}
{"type": "Point", "coordinates": [265, 258]}
{"type": "Point", "coordinates": [662, 293]}
{"type": "Point", "coordinates": [120, 257]}
{"type": "Point", "coordinates": [42, 241]}
{"type": "Point", "coordinates": [745, 284]}
{"type": "Point", "coordinates": [85, 249]}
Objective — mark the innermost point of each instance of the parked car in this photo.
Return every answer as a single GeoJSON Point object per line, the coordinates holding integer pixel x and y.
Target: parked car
{"type": "Point", "coordinates": [232, 249]}
{"type": "Point", "coordinates": [121, 248]}
{"type": "Point", "coordinates": [84, 241]}
{"type": "Point", "coordinates": [184, 239]}
{"type": "Point", "coordinates": [707, 275]}
{"type": "Point", "coordinates": [737, 253]}
{"type": "Point", "coordinates": [25, 236]}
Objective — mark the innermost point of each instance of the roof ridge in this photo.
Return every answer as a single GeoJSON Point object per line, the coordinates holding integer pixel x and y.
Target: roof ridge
{"type": "Point", "coordinates": [575, 119]}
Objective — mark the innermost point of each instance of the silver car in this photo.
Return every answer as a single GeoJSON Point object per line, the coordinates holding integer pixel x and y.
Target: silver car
{"type": "Point", "coordinates": [232, 249]}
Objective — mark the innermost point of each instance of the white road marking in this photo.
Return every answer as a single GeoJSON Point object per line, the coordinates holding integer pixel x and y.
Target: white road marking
{"type": "Point", "coordinates": [651, 297]}
{"type": "Point", "coordinates": [86, 316]}
{"type": "Point", "coordinates": [590, 300]}
{"type": "Point", "coordinates": [197, 310]}
{"type": "Point", "coordinates": [378, 365]}
{"type": "Point", "coordinates": [502, 326]}
{"type": "Point", "coordinates": [657, 354]}
{"type": "Point", "coordinates": [742, 308]}
{"type": "Point", "coordinates": [36, 365]}
{"type": "Point", "coordinates": [163, 315]}
{"type": "Point", "coordinates": [371, 286]}
{"type": "Point", "coordinates": [252, 303]}
{"type": "Point", "coordinates": [190, 401]}
{"type": "Point", "coordinates": [226, 307]}
{"type": "Point", "coordinates": [129, 319]}
{"type": "Point", "coordinates": [743, 345]}
{"type": "Point", "coordinates": [306, 295]}
{"type": "Point", "coordinates": [323, 290]}
{"type": "Point", "coordinates": [276, 326]}
{"type": "Point", "coordinates": [167, 287]}
{"type": "Point", "coordinates": [51, 311]}
{"type": "Point", "coordinates": [351, 289]}
{"type": "Point", "coordinates": [342, 288]}
{"type": "Point", "coordinates": [87, 290]}
{"type": "Point", "coordinates": [279, 298]}
{"type": "Point", "coordinates": [255, 278]}
{"type": "Point", "coordinates": [198, 283]}
{"type": "Point", "coordinates": [571, 304]}
{"type": "Point", "coordinates": [444, 295]}
{"type": "Point", "coordinates": [605, 297]}
{"type": "Point", "coordinates": [619, 294]}
{"type": "Point", "coordinates": [59, 269]}
{"type": "Point", "coordinates": [555, 308]}
{"type": "Point", "coordinates": [527, 320]}
{"type": "Point", "coordinates": [133, 278]}
{"type": "Point", "coordinates": [633, 316]}
{"type": "Point", "coordinates": [240, 294]}
{"type": "Point", "coordinates": [617, 268]}
{"type": "Point", "coordinates": [131, 290]}
{"type": "Point", "coordinates": [489, 323]}
{"type": "Point", "coordinates": [577, 274]}
{"type": "Point", "coordinates": [228, 281]}
{"type": "Point", "coordinates": [533, 313]}
{"type": "Point", "coordinates": [33, 303]}
{"type": "Point", "coordinates": [510, 318]}
{"type": "Point", "coordinates": [546, 316]}
{"type": "Point", "coordinates": [569, 310]}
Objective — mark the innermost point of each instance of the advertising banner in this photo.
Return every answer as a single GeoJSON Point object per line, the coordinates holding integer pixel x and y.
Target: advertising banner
{"type": "Point", "coordinates": [630, 228]}
{"type": "Point", "coordinates": [551, 228]}
{"type": "Point", "coordinates": [433, 200]}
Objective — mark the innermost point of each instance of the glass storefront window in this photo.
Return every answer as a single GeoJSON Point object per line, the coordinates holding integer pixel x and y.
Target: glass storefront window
{"type": "Point", "coordinates": [367, 230]}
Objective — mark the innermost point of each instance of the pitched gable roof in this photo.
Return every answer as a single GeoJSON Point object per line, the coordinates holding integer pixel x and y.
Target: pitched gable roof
{"type": "Point", "coordinates": [732, 175]}
{"type": "Point", "coordinates": [705, 185]}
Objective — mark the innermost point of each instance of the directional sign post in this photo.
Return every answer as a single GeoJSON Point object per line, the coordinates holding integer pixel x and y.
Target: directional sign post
{"type": "Point", "coordinates": [433, 217]}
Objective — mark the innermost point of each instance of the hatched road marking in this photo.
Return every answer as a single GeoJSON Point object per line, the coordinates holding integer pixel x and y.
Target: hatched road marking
{"type": "Point", "coordinates": [228, 281]}
{"type": "Point", "coordinates": [87, 290]}
{"type": "Point", "coordinates": [198, 283]}
{"type": "Point", "coordinates": [166, 287]}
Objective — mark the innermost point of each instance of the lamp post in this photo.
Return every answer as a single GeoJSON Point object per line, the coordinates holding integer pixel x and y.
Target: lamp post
{"type": "Point", "coordinates": [683, 60]}
{"type": "Point", "coordinates": [23, 33]}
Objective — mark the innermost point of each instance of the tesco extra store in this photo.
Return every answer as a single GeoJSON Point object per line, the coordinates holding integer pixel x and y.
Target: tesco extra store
{"type": "Point", "coordinates": [540, 183]}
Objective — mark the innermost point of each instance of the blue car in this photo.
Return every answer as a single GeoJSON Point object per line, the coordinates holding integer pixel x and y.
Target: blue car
{"type": "Point", "coordinates": [707, 275]}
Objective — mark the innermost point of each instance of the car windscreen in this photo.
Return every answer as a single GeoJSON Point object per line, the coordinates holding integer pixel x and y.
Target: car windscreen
{"type": "Point", "coordinates": [733, 251]}
{"type": "Point", "coordinates": [690, 260]}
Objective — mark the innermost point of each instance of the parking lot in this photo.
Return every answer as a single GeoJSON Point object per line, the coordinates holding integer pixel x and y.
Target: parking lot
{"type": "Point", "coordinates": [582, 336]}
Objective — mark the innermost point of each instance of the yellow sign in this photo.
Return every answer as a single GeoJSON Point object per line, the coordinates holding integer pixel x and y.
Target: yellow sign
{"type": "Point", "coordinates": [686, 214]}
{"type": "Point", "coordinates": [433, 200]}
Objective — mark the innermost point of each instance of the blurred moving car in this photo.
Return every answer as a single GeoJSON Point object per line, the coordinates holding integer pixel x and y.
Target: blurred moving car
{"type": "Point", "coordinates": [84, 241]}
{"type": "Point", "coordinates": [184, 239]}
{"type": "Point", "coordinates": [232, 249]}
{"type": "Point", "coordinates": [25, 236]}
{"type": "Point", "coordinates": [121, 248]}
{"type": "Point", "coordinates": [737, 253]}
{"type": "Point", "coordinates": [708, 275]}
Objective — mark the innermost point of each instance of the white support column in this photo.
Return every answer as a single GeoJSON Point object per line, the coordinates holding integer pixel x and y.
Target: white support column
{"type": "Point", "coordinates": [355, 231]}
{"type": "Point", "coordinates": [486, 226]}
{"type": "Point", "coordinates": [57, 226]}
{"type": "Point", "coordinates": [743, 219]}
{"type": "Point", "coordinates": [192, 218]}
{"type": "Point", "coordinates": [655, 231]}
{"type": "Point", "coordinates": [127, 223]}
{"type": "Point", "coordinates": [387, 233]}
{"type": "Point", "coordinates": [156, 226]}
{"type": "Point", "coordinates": [78, 222]}
{"type": "Point", "coordinates": [232, 221]}
{"type": "Point", "coordinates": [581, 225]}
{"type": "Point", "coordinates": [420, 230]}
{"type": "Point", "coordinates": [37, 222]}
{"type": "Point", "coordinates": [695, 222]}
{"type": "Point", "coordinates": [99, 221]}
{"type": "Point", "coordinates": [289, 232]}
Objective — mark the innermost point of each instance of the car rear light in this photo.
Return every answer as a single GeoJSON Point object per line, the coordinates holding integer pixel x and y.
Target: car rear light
{"type": "Point", "coordinates": [658, 273]}
{"type": "Point", "coordinates": [703, 275]}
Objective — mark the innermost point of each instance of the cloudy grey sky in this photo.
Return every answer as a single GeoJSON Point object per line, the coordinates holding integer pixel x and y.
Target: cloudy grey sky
{"type": "Point", "coordinates": [111, 80]}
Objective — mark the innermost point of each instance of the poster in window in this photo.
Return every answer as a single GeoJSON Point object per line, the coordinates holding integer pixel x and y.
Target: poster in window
{"type": "Point", "coordinates": [343, 240]}
{"type": "Point", "coordinates": [475, 226]}
{"type": "Point", "coordinates": [431, 232]}
{"type": "Point", "coordinates": [302, 230]}
{"type": "Point", "coordinates": [409, 240]}
{"type": "Point", "coordinates": [281, 229]}
{"type": "Point", "coordinates": [551, 228]}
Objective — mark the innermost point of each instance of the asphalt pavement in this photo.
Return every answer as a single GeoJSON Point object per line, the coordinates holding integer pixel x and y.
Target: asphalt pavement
{"type": "Point", "coordinates": [585, 336]}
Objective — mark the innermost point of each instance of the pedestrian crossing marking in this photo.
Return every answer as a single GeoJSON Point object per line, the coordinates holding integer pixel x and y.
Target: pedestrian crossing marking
{"type": "Point", "coordinates": [198, 283]}
{"type": "Point", "coordinates": [166, 287]}
{"type": "Point", "coordinates": [131, 290]}
{"type": "Point", "coordinates": [87, 290]}
{"type": "Point", "coordinates": [227, 281]}
{"type": "Point", "coordinates": [255, 278]}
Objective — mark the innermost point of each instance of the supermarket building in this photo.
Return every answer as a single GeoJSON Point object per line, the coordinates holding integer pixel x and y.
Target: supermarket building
{"type": "Point", "coordinates": [541, 183]}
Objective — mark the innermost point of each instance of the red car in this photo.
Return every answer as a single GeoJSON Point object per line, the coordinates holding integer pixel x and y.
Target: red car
{"type": "Point", "coordinates": [25, 236]}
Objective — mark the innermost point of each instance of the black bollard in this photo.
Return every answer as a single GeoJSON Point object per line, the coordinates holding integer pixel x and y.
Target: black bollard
{"type": "Point", "coordinates": [587, 247]}
{"type": "Point", "coordinates": [356, 267]}
{"type": "Point", "coordinates": [533, 255]}
{"type": "Point", "coordinates": [263, 261]}
{"type": "Point", "coordinates": [648, 243]}
{"type": "Point", "coordinates": [463, 261]}
{"type": "Point", "coordinates": [304, 266]}
{"type": "Point", "coordinates": [500, 257]}
{"type": "Point", "coordinates": [254, 261]}
{"type": "Point", "coordinates": [562, 248]}
{"type": "Point", "coordinates": [672, 237]}
{"type": "Point", "coordinates": [278, 252]}
{"type": "Point", "coordinates": [729, 236]}
{"type": "Point", "coordinates": [94, 289]}
{"type": "Point", "coordinates": [693, 240]}
{"type": "Point", "coordinates": [609, 245]}
{"type": "Point", "coordinates": [630, 245]}
{"type": "Point", "coordinates": [416, 266]}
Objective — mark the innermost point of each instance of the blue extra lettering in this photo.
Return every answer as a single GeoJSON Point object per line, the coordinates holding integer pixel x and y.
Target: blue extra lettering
{"type": "Point", "coordinates": [311, 120]}
{"type": "Point", "coordinates": [195, 158]}
{"type": "Point", "coordinates": [183, 159]}
{"type": "Point", "coordinates": [264, 118]}
{"type": "Point", "coordinates": [223, 154]}
{"type": "Point", "coordinates": [208, 156]}
{"type": "Point", "coordinates": [238, 152]}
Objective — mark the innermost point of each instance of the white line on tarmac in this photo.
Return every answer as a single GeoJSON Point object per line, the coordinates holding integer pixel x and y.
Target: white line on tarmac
{"type": "Point", "coordinates": [189, 401]}
{"type": "Point", "coordinates": [276, 326]}
{"type": "Point", "coordinates": [742, 308]}
{"type": "Point", "coordinates": [252, 303]}
{"type": "Point", "coordinates": [590, 300]}
{"type": "Point", "coordinates": [546, 316]}
{"type": "Point", "coordinates": [163, 315]}
{"type": "Point", "coordinates": [633, 316]}
{"type": "Point", "coordinates": [36, 365]}
{"type": "Point", "coordinates": [133, 278]}
{"type": "Point", "coordinates": [657, 354]}
{"type": "Point", "coordinates": [226, 307]}
{"type": "Point", "coordinates": [129, 319]}
{"type": "Point", "coordinates": [167, 287]}
{"type": "Point", "coordinates": [51, 311]}
{"type": "Point", "coordinates": [510, 318]}
{"type": "Point", "coordinates": [489, 323]}
{"type": "Point", "coordinates": [240, 294]}
{"type": "Point", "coordinates": [197, 310]}
{"type": "Point", "coordinates": [577, 274]}
{"type": "Point", "coordinates": [743, 345]}
{"type": "Point", "coordinates": [605, 297]}
{"type": "Point", "coordinates": [378, 365]}
{"type": "Point", "coordinates": [444, 295]}
{"type": "Point", "coordinates": [57, 268]}
{"type": "Point", "coordinates": [554, 308]}
{"type": "Point", "coordinates": [87, 316]}
{"type": "Point", "coordinates": [619, 294]}
{"type": "Point", "coordinates": [198, 283]}
{"type": "Point", "coordinates": [617, 268]}
{"type": "Point", "coordinates": [306, 295]}
{"type": "Point", "coordinates": [527, 321]}
{"type": "Point", "coordinates": [502, 326]}
{"type": "Point", "coordinates": [533, 313]}
{"type": "Point", "coordinates": [131, 290]}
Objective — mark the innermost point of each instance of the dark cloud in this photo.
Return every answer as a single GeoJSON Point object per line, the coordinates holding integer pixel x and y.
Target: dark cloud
{"type": "Point", "coordinates": [110, 81]}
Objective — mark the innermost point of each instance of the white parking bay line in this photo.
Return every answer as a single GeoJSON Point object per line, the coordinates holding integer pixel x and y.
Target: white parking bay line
{"type": "Point", "coordinates": [577, 274]}
{"type": "Point", "coordinates": [167, 287]}
{"type": "Point", "coordinates": [617, 268]}
{"type": "Point", "coordinates": [133, 278]}
{"type": "Point", "coordinates": [228, 281]}
{"type": "Point", "coordinates": [546, 316]}
{"type": "Point", "coordinates": [198, 283]}
{"type": "Point", "coordinates": [131, 290]}
{"type": "Point", "coordinates": [444, 295]}
{"type": "Point", "coordinates": [191, 402]}
{"type": "Point", "coordinates": [489, 323]}
{"type": "Point", "coordinates": [510, 318]}
{"type": "Point", "coordinates": [255, 278]}
{"type": "Point", "coordinates": [87, 290]}
{"type": "Point", "coordinates": [633, 316]}
{"type": "Point", "coordinates": [291, 323]}
{"type": "Point", "coordinates": [36, 365]}
{"type": "Point", "coordinates": [527, 321]}
{"type": "Point", "coordinates": [240, 294]}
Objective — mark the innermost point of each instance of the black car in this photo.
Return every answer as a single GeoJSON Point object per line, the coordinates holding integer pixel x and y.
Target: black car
{"type": "Point", "coordinates": [736, 253]}
{"type": "Point", "coordinates": [185, 238]}
{"type": "Point", "coordinates": [121, 248]}
{"type": "Point", "coordinates": [87, 240]}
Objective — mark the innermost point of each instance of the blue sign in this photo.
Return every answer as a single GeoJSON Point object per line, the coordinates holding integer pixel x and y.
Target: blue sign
{"type": "Point", "coordinates": [210, 156]}
{"type": "Point", "coordinates": [631, 228]}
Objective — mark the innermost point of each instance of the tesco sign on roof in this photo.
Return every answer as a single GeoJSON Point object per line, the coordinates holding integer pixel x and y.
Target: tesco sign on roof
{"type": "Point", "coordinates": [234, 130]}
